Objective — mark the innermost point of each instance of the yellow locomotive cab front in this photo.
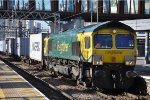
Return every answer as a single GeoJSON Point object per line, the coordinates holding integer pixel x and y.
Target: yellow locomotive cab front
{"type": "Point", "coordinates": [112, 47]}
{"type": "Point", "coordinates": [114, 52]}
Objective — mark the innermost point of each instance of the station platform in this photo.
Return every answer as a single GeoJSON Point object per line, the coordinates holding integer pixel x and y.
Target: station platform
{"type": "Point", "coordinates": [15, 87]}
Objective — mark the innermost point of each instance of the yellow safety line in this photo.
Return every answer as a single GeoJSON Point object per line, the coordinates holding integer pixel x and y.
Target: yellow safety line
{"type": "Point", "coordinates": [2, 96]}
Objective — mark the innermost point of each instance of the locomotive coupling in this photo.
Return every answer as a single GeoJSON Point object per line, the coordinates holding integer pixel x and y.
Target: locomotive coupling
{"type": "Point", "coordinates": [131, 74]}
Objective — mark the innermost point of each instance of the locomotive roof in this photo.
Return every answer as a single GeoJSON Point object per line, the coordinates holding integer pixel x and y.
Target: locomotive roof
{"type": "Point", "coordinates": [108, 25]}
{"type": "Point", "coordinates": [96, 27]}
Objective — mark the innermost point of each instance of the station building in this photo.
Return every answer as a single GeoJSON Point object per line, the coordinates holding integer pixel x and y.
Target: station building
{"type": "Point", "coordinates": [142, 26]}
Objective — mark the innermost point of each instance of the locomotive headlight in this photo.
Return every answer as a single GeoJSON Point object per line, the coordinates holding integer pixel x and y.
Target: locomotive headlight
{"type": "Point", "coordinates": [114, 31]}
{"type": "Point", "coordinates": [129, 60]}
{"type": "Point", "coordinates": [97, 60]}
{"type": "Point", "coordinates": [129, 63]}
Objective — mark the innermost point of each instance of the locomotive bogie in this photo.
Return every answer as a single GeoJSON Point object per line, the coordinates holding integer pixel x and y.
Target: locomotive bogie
{"type": "Point", "coordinates": [63, 66]}
{"type": "Point", "coordinates": [106, 78]}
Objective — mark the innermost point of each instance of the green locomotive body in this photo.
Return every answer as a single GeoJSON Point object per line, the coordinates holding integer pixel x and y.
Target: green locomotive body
{"type": "Point", "coordinates": [62, 46]}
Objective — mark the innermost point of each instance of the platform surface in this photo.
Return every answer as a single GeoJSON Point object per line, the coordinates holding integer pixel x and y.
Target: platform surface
{"type": "Point", "coordinates": [15, 87]}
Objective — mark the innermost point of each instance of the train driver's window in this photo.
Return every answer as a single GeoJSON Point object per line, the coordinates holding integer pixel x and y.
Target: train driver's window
{"type": "Point", "coordinates": [87, 42]}
{"type": "Point", "coordinates": [50, 45]}
{"type": "Point", "coordinates": [102, 41]}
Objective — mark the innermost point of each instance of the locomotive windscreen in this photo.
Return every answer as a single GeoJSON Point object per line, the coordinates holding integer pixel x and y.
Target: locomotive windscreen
{"type": "Point", "coordinates": [125, 41]}
{"type": "Point", "coordinates": [102, 41]}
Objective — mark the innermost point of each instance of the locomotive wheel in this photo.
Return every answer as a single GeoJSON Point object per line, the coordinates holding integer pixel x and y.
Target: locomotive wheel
{"type": "Point", "coordinates": [46, 65]}
{"type": "Point", "coordinates": [54, 70]}
{"type": "Point", "coordinates": [75, 72]}
{"type": "Point", "coordinates": [27, 61]}
{"type": "Point", "coordinates": [88, 82]}
{"type": "Point", "coordinates": [43, 65]}
{"type": "Point", "coordinates": [30, 62]}
{"type": "Point", "coordinates": [79, 82]}
{"type": "Point", "coordinates": [50, 66]}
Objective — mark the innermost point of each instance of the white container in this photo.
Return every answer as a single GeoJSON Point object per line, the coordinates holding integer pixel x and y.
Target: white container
{"type": "Point", "coordinates": [3, 46]}
{"type": "Point", "coordinates": [21, 47]}
{"type": "Point", "coordinates": [10, 45]}
{"type": "Point", "coordinates": [37, 46]}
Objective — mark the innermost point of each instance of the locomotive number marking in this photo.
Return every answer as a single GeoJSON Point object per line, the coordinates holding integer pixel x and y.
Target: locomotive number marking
{"type": "Point", "coordinates": [113, 52]}
{"type": "Point", "coordinates": [62, 47]}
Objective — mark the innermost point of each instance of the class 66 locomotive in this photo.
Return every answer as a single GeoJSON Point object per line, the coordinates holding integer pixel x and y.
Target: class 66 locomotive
{"type": "Point", "coordinates": [101, 55]}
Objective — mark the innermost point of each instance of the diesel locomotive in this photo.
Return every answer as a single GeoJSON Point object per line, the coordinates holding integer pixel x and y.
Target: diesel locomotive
{"type": "Point", "coordinates": [101, 55]}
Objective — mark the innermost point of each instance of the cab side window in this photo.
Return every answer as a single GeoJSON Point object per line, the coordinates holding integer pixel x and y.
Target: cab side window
{"type": "Point", "coordinates": [50, 45]}
{"type": "Point", "coordinates": [87, 42]}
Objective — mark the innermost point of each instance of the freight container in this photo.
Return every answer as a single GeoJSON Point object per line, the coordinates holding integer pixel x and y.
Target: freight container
{"type": "Point", "coordinates": [2, 46]}
{"type": "Point", "coordinates": [37, 46]}
{"type": "Point", "coordinates": [21, 47]}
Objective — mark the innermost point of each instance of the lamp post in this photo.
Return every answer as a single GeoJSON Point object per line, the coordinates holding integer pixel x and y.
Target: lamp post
{"type": "Point", "coordinates": [97, 11]}
{"type": "Point", "coordinates": [91, 11]}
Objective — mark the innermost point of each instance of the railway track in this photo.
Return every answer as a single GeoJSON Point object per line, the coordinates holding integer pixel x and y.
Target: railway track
{"type": "Point", "coordinates": [66, 87]}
